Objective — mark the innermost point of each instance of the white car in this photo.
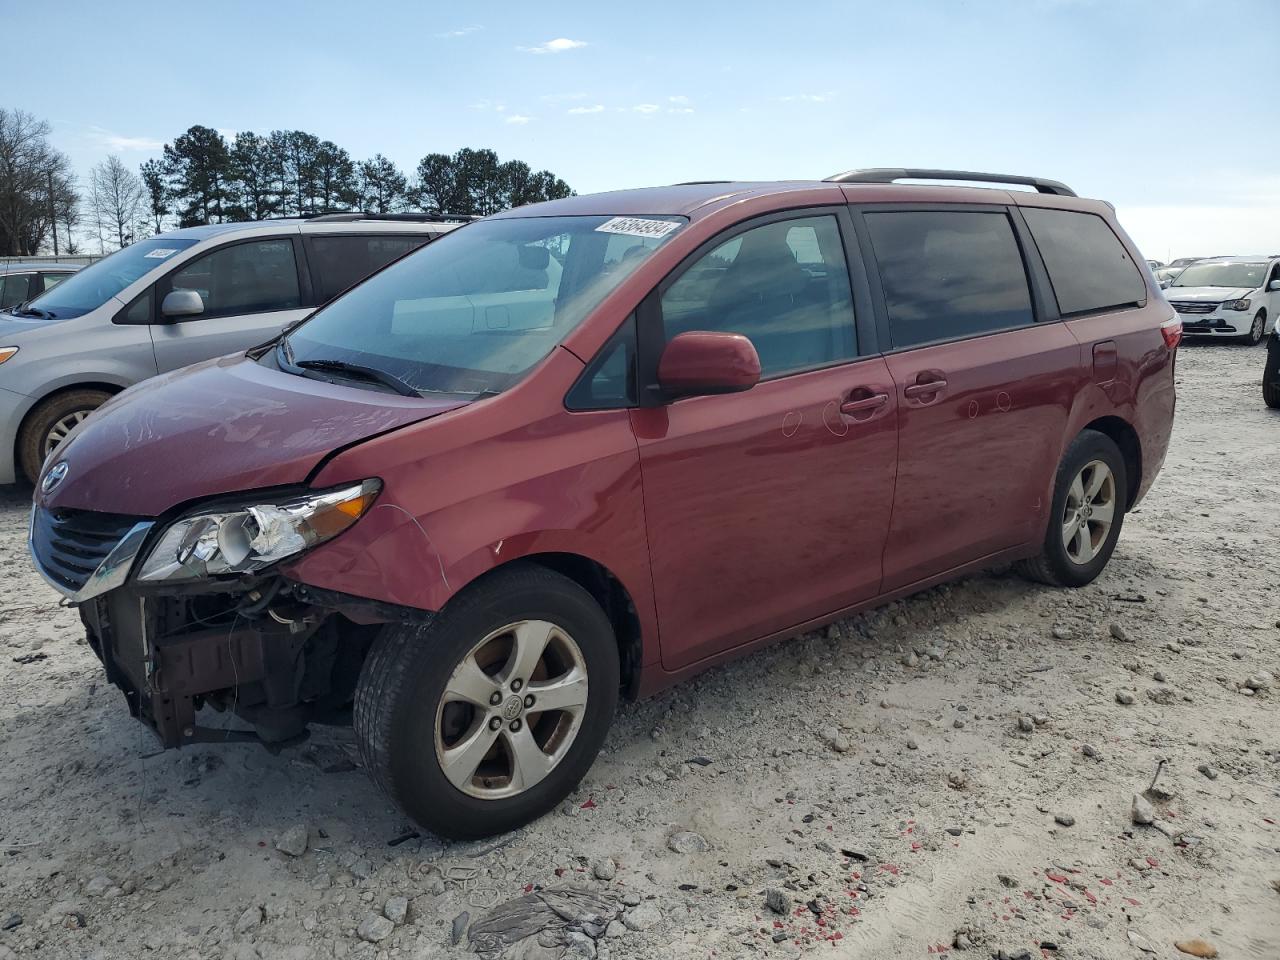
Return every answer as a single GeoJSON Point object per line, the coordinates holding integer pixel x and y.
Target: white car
{"type": "Point", "coordinates": [1233, 297]}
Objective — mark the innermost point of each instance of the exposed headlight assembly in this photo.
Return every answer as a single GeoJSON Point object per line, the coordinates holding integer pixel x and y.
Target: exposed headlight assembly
{"type": "Point", "coordinates": [212, 543]}
{"type": "Point", "coordinates": [1236, 304]}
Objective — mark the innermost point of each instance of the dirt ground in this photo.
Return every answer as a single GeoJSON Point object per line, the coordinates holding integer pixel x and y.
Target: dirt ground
{"type": "Point", "coordinates": [953, 774]}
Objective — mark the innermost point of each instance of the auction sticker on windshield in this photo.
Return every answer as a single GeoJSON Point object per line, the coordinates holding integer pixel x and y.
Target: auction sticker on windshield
{"type": "Point", "coordinates": [160, 253]}
{"type": "Point", "coordinates": [637, 227]}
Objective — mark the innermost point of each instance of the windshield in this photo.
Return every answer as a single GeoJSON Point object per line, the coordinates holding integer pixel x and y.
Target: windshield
{"type": "Point", "coordinates": [1247, 275]}
{"type": "Point", "coordinates": [476, 309]}
{"type": "Point", "coordinates": [93, 286]}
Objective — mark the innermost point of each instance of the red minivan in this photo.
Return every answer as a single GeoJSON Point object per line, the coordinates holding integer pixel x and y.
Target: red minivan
{"type": "Point", "coordinates": [590, 447]}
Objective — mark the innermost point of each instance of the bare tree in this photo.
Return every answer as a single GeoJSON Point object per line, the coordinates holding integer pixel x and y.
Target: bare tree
{"type": "Point", "coordinates": [35, 183]}
{"type": "Point", "coordinates": [118, 200]}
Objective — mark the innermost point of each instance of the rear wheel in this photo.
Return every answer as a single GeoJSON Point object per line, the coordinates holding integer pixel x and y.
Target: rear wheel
{"type": "Point", "coordinates": [50, 423]}
{"type": "Point", "coordinates": [1089, 503]}
{"type": "Point", "coordinates": [489, 716]}
{"type": "Point", "coordinates": [1254, 336]}
{"type": "Point", "coordinates": [1271, 374]}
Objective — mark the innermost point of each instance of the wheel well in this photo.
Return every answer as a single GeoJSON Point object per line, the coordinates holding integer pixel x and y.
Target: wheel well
{"type": "Point", "coordinates": [111, 388]}
{"type": "Point", "coordinates": [1126, 438]}
{"type": "Point", "coordinates": [613, 598]}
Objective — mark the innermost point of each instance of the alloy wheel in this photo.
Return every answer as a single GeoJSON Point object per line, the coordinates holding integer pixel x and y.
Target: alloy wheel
{"type": "Point", "coordinates": [1089, 512]}
{"type": "Point", "coordinates": [511, 710]}
{"type": "Point", "coordinates": [62, 427]}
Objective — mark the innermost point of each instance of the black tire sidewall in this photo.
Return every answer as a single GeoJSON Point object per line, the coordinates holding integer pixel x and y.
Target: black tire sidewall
{"type": "Point", "coordinates": [1271, 373]}
{"type": "Point", "coordinates": [1262, 330]}
{"type": "Point", "coordinates": [40, 421]}
{"type": "Point", "coordinates": [1089, 445]}
{"type": "Point", "coordinates": [414, 775]}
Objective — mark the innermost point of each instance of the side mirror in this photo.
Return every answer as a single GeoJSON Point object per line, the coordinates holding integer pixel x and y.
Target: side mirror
{"type": "Point", "coordinates": [700, 362]}
{"type": "Point", "coordinates": [1165, 284]}
{"type": "Point", "coordinates": [181, 304]}
{"type": "Point", "coordinates": [1273, 286]}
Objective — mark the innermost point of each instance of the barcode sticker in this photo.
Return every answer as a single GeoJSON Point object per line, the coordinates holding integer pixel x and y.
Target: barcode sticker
{"type": "Point", "coordinates": [638, 227]}
{"type": "Point", "coordinates": [159, 253]}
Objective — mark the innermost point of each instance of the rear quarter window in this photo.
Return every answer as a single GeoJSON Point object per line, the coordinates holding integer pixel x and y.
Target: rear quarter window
{"type": "Point", "coordinates": [1089, 268]}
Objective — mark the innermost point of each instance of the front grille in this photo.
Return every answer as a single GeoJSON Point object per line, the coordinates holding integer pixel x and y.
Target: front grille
{"type": "Point", "coordinates": [1183, 306]}
{"type": "Point", "coordinates": [70, 544]}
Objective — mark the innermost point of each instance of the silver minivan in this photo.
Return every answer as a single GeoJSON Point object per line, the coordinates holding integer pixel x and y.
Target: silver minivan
{"type": "Point", "coordinates": [172, 300]}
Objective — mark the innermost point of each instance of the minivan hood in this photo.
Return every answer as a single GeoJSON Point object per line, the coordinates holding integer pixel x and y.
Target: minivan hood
{"type": "Point", "coordinates": [1207, 294]}
{"type": "Point", "coordinates": [222, 426]}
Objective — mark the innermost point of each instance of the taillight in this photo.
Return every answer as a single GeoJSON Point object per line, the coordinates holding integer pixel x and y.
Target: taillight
{"type": "Point", "coordinates": [1171, 330]}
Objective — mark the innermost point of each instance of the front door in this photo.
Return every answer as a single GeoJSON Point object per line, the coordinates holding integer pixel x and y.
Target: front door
{"type": "Point", "coordinates": [770, 507]}
{"type": "Point", "coordinates": [983, 389]}
{"type": "Point", "coordinates": [250, 291]}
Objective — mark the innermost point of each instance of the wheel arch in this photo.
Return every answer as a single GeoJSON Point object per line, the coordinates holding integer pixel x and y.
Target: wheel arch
{"type": "Point", "coordinates": [104, 385]}
{"type": "Point", "coordinates": [1126, 438]}
{"type": "Point", "coordinates": [607, 590]}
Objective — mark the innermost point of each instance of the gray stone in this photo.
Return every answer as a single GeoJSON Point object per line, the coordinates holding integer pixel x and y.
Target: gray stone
{"type": "Point", "coordinates": [777, 901]}
{"type": "Point", "coordinates": [1259, 681]}
{"type": "Point", "coordinates": [1209, 772]}
{"type": "Point", "coordinates": [642, 917]}
{"type": "Point", "coordinates": [1125, 697]}
{"type": "Point", "coordinates": [374, 929]}
{"type": "Point", "coordinates": [98, 885]}
{"type": "Point", "coordinates": [1120, 633]}
{"type": "Point", "coordinates": [686, 841]}
{"type": "Point", "coordinates": [1064, 819]}
{"type": "Point", "coordinates": [631, 899]}
{"type": "Point", "coordinates": [1026, 724]}
{"type": "Point", "coordinates": [396, 909]}
{"type": "Point", "coordinates": [604, 869]}
{"type": "Point", "coordinates": [1089, 750]}
{"type": "Point", "coordinates": [1142, 812]}
{"type": "Point", "coordinates": [293, 841]}
{"type": "Point", "coordinates": [252, 917]}
{"type": "Point", "coordinates": [459, 929]}
{"type": "Point", "coordinates": [615, 930]}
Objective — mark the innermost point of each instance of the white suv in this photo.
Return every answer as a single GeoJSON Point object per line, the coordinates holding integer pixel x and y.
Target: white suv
{"type": "Point", "coordinates": [1233, 297]}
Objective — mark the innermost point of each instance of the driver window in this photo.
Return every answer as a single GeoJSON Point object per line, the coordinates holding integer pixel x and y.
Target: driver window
{"type": "Point", "coordinates": [254, 277]}
{"type": "Point", "coordinates": [784, 285]}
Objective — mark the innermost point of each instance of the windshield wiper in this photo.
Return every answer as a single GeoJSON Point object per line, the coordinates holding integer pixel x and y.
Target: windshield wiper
{"type": "Point", "coordinates": [23, 310]}
{"type": "Point", "coordinates": [362, 372]}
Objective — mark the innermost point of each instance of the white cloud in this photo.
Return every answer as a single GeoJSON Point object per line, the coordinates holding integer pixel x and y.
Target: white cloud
{"type": "Point", "coordinates": [497, 105]}
{"type": "Point", "coordinates": [646, 108]}
{"type": "Point", "coordinates": [597, 108]}
{"type": "Point", "coordinates": [517, 118]}
{"type": "Point", "coordinates": [119, 143]}
{"type": "Point", "coordinates": [806, 98]}
{"type": "Point", "coordinates": [460, 32]}
{"type": "Point", "coordinates": [678, 98]}
{"type": "Point", "coordinates": [679, 109]}
{"type": "Point", "coordinates": [558, 45]}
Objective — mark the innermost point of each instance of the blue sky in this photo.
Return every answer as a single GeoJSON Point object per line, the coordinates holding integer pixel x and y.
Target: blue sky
{"type": "Point", "coordinates": [1103, 94]}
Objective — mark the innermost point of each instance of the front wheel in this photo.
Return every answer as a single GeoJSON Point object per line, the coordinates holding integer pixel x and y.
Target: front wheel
{"type": "Point", "coordinates": [489, 716]}
{"type": "Point", "coordinates": [1254, 336]}
{"type": "Point", "coordinates": [50, 423]}
{"type": "Point", "coordinates": [1089, 503]}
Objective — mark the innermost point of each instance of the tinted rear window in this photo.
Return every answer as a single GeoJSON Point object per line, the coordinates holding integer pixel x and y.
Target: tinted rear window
{"type": "Point", "coordinates": [949, 274]}
{"type": "Point", "coordinates": [341, 262]}
{"type": "Point", "coordinates": [1088, 266]}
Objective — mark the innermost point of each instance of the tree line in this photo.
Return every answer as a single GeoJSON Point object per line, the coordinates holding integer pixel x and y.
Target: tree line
{"type": "Point", "coordinates": [202, 177]}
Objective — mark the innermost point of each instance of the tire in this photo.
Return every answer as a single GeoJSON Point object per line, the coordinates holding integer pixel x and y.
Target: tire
{"type": "Point", "coordinates": [408, 719]}
{"type": "Point", "coordinates": [1271, 374]}
{"type": "Point", "coordinates": [1073, 564]}
{"type": "Point", "coordinates": [49, 422]}
{"type": "Point", "coordinates": [1254, 336]}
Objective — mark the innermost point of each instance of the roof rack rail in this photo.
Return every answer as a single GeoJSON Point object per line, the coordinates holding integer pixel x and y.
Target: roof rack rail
{"type": "Point", "coordinates": [893, 174]}
{"type": "Point", "coordinates": [400, 217]}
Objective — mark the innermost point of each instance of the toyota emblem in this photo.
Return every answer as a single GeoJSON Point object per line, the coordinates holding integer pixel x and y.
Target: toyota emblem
{"type": "Point", "coordinates": [57, 473]}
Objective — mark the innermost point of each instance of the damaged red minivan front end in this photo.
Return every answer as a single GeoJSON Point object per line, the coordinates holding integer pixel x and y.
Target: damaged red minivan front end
{"type": "Point", "coordinates": [176, 574]}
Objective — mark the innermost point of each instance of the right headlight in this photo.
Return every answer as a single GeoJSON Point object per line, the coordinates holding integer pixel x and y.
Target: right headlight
{"type": "Point", "coordinates": [6, 353]}
{"type": "Point", "coordinates": [212, 543]}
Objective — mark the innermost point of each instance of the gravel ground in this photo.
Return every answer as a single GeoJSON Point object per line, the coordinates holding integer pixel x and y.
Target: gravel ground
{"type": "Point", "coordinates": [954, 772]}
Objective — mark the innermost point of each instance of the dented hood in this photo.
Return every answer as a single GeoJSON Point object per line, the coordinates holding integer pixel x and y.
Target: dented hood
{"type": "Point", "coordinates": [219, 427]}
